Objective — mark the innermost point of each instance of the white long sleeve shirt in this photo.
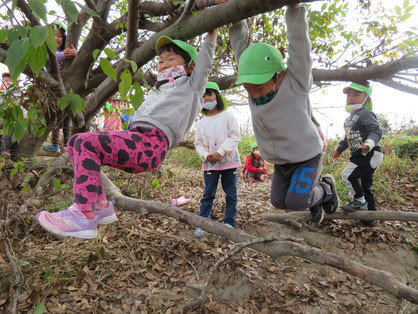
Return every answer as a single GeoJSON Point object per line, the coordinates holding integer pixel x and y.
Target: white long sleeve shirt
{"type": "Point", "coordinates": [219, 133]}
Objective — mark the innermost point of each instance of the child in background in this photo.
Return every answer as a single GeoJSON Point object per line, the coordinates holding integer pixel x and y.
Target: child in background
{"type": "Point", "coordinates": [362, 136]}
{"type": "Point", "coordinates": [112, 120]}
{"type": "Point", "coordinates": [159, 124]}
{"type": "Point", "coordinates": [62, 53]}
{"type": "Point", "coordinates": [217, 138]}
{"type": "Point", "coordinates": [255, 166]}
{"type": "Point", "coordinates": [279, 103]}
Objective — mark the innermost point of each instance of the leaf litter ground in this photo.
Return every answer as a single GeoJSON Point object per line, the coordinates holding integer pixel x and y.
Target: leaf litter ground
{"type": "Point", "coordinates": [154, 264]}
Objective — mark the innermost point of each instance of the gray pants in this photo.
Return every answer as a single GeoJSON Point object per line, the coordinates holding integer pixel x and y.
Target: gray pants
{"type": "Point", "coordinates": [297, 186]}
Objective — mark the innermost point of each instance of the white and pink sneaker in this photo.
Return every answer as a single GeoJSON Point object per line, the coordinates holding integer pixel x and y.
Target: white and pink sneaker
{"type": "Point", "coordinates": [105, 215]}
{"type": "Point", "coordinates": [71, 222]}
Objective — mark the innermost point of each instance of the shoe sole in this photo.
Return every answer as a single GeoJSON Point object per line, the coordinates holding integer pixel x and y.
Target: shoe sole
{"type": "Point", "coordinates": [107, 220]}
{"type": "Point", "coordinates": [85, 234]}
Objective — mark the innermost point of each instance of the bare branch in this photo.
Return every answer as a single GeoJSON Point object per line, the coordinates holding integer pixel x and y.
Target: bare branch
{"type": "Point", "coordinates": [28, 12]}
{"type": "Point", "coordinates": [132, 41]}
{"type": "Point", "coordinates": [399, 86]}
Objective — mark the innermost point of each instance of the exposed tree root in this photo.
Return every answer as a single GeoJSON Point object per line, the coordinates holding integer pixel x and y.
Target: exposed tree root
{"type": "Point", "coordinates": [360, 215]}
{"type": "Point", "coordinates": [274, 249]}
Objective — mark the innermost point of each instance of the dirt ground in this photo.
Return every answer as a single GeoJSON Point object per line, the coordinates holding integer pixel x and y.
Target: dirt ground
{"type": "Point", "coordinates": [155, 264]}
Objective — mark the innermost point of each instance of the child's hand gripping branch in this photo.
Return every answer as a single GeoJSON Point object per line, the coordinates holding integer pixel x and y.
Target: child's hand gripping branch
{"type": "Point", "coordinates": [279, 103]}
{"type": "Point", "coordinates": [158, 125]}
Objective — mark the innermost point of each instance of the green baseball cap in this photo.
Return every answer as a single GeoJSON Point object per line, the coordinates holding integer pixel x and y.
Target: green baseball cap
{"type": "Point", "coordinates": [253, 145]}
{"type": "Point", "coordinates": [361, 88]}
{"type": "Point", "coordinates": [213, 85]}
{"type": "Point", "coordinates": [189, 49]}
{"type": "Point", "coordinates": [258, 63]}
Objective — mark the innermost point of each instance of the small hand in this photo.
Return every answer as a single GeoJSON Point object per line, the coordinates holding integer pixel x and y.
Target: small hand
{"type": "Point", "coordinates": [209, 158]}
{"type": "Point", "coordinates": [365, 148]}
{"type": "Point", "coordinates": [217, 157]}
{"type": "Point", "coordinates": [70, 52]}
{"type": "Point", "coordinates": [336, 155]}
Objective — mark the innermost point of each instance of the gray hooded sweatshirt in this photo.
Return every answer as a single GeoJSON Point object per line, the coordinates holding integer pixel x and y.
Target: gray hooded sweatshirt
{"type": "Point", "coordinates": [174, 107]}
{"type": "Point", "coordinates": [283, 127]}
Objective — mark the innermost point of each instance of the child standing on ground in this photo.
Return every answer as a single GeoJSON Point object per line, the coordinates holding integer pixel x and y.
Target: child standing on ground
{"type": "Point", "coordinates": [255, 166]}
{"type": "Point", "coordinates": [281, 117]}
{"type": "Point", "coordinates": [62, 53]}
{"type": "Point", "coordinates": [158, 125]}
{"type": "Point", "coordinates": [362, 136]}
{"type": "Point", "coordinates": [217, 138]}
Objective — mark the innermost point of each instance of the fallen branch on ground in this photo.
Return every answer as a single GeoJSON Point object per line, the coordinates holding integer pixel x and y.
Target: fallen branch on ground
{"type": "Point", "coordinates": [274, 249]}
{"type": "Point", "coordinates": [360, 215]}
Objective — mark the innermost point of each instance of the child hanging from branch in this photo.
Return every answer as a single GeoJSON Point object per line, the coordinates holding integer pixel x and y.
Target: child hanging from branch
{"type": "Point", "coordinates": [281, 116]}
{"type": "Point", "coordinates": [158, 125]}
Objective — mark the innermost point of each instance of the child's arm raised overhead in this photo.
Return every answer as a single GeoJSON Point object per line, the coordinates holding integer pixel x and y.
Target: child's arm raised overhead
{"type": "Point", "coordinates": [203, 66]}
{"type": "Point", "coordinates": [299, 48]}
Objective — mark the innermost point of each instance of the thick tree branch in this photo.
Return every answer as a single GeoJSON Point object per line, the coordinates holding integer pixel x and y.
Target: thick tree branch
{"type": "Point", "coordinates": [399, 86]}
{"type": "Point", "coordinates": [132, 40]}
{"type": "Point", "coordinates": [275, 249]}
{"type": "Point", "coordinates": [28, 12]}
{"type": "Point", "coordinates": [360, 215]}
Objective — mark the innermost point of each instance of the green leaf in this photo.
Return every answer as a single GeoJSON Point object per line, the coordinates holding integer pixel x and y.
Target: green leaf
{"type": "Point", "coordinates": [40, 308]}
{"type": "Point", "coordinates": [3, 35]}
{"type": "Point", "coordinates": [69, 7]}
{"type": "Point", "coordinates": [398, 10]}
{"type": "Point", "coordinates": [324, 6]}
{"type": "Point", "coordinates": [64, 101]}
{"type": "Point", "coordinates": [77, 103]}
{"type": "Point", "coordinates": [125, 83]}
{"type": "Point", "coordinates": [51, 42]}
{"type": "Point", "coordinates": [16, 56]}
{"type": "Point", "coordinates": [155, 183]}
{"type": "Point", "coordinates": [18, 132]}
{"type": "Point", "coordinates": [87, 10]}
{"type": "Point", "coordinates": [406, 4]}
{"type": "Point", "coordinates": [133, 64]}
{"type": "Point", "coordinates": [137, 97]}
{"type": "Point", "coordinates": [12, 36]}
{"type": "Point", "coordinates": [57, 183]}
{"type": "Point", "coordinates": [38, 35]}
{"type": "Point", "coordinates": [107, 68]}
{"type": "Point", "coordinates": [21, 30]}
{"type": "Point", "coordinates": [96, 53]}
{"type": "Point", "coordinates": [31, 114]}
{"type": "Point", "coordinates": [405, 17]}
{"type": "Point", "coordinates": [48, 273]}
{"type": "Point", "coordinates": [38, 8]}
{"type": "Point", "coordinates": [37, 58]}
{"type": "Point", "coordinates": [109, 52]}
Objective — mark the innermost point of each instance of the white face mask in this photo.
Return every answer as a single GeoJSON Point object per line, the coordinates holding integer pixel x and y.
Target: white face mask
{"type": "Point", "coordinates": [355, 107]}
{"type": "Point", "coordinates": [256, 152]}
{"type": "Point", "coordinates": [171, 73]}
{"type": "Point", "coordinates": [210, 105]}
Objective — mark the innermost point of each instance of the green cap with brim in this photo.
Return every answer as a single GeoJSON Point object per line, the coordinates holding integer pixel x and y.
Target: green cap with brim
{"type": "Point", "coordinates": [253, 145]}
{"type": "Point", "coordinates": [213, 85]}
{"type": "Point", "coordinates": [189, 49]}
{"type": "Point", "coordinates": [361, 88]}
{"type": "Point", "coordinates": [258, 63]}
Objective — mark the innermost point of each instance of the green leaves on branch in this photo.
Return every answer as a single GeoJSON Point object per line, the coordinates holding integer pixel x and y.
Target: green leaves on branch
{"type": "Point", "coordinates": [38, 8]}
{"type": "Point", "coordinates": [107, 68]}
{"type": "Point", "coordinates": [76, 101]}
{"type": "Point", "coordinates": [136, 95]}
{"type": "Point", "coordinates": [69, 8]}
{"type": "Point", "coordinates": [87, 10]}
{"type": "Point", "coordinates": [16, 57]}
{"type": "Point", "coordinates": [38, 35]}
{"type": "Point", "coordinates": [125, 83]}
